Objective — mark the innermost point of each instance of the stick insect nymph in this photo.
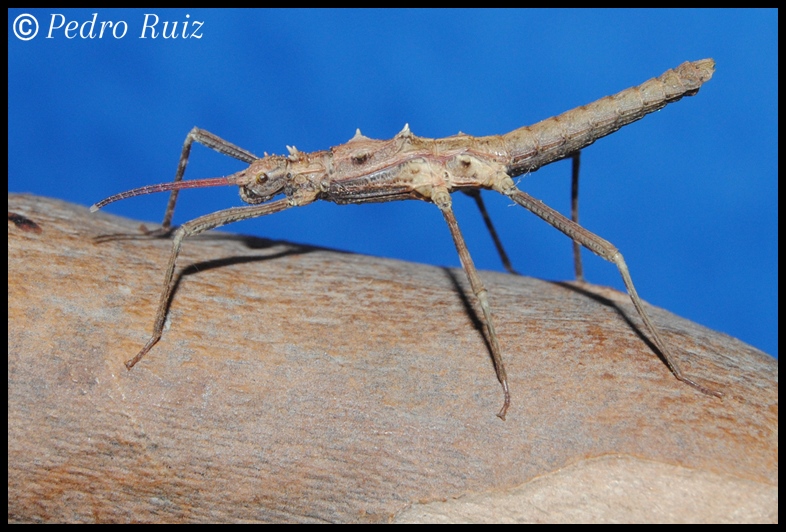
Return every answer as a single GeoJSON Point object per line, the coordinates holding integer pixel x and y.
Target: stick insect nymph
{"type": "Point", "coordinates": [365, 170]}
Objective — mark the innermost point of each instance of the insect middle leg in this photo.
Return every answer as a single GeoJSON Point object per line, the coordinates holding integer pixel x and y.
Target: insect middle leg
{"type": "Point", "coordinates": [578, 268]}
{"type": "Point", "coordinates": [574, 215]}
{"type": "Point", "coordinates": [475, 194]}
{"type": "Point", "coordinates": [441, 198]}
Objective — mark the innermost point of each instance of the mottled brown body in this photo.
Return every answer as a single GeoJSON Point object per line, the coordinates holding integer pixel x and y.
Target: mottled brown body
{"type": "Point", "coordinates": [409, 167]}
{"type": "Point", "coordinates": [365, 170]}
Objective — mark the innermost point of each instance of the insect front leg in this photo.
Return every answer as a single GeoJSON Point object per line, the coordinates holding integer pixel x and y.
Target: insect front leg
{"type": "Point", "coordinates": [441, 198]}
{"type": "Point", "coordinates": [605, 250]}
{"type": "Point", "coordinates": [194, 227]}
{"type": "Point", "coordinates": [214, 142]}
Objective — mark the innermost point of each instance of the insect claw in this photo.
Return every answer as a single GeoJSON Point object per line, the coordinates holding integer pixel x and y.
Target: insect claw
{"type": "Point", "coordinates": [503, 412]}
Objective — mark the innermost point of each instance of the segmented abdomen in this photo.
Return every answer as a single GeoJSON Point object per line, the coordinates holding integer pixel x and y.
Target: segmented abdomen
{"type": "Point", "coordinates": [531, 147]}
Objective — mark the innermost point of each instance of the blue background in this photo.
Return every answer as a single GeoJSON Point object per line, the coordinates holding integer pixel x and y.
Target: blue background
{"type": "Point", "coordinates": [689, 194]}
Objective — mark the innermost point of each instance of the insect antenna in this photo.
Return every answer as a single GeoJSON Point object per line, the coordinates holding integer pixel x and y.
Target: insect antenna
{"type": "Point", "coordinates": [163, 187]}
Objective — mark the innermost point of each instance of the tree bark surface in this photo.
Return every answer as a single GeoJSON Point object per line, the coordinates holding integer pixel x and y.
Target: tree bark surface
{"type": "Point", "coordinates": [294, 383]}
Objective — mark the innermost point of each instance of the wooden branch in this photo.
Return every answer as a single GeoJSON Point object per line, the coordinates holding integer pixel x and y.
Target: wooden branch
{"type": "Point", "coordinates": [300, 384]}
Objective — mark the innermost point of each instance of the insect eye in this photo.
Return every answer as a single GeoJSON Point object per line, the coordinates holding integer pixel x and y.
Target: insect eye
{"type": "Point", "coordinates": [261, 178]}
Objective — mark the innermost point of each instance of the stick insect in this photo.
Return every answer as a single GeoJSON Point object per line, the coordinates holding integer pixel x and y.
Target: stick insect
{"type": "Point", "coordinates": [365, 170]}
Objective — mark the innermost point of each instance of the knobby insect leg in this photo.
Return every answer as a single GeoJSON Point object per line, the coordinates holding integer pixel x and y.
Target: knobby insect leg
{"type": "Point", "coordinates": [475, 194]}
{"type": "Point", "coordinates": [442, 199]}
{"type": "Point", "coordinates": [214, 142]}
{"type": "Point", "coordinates": [195, 227]}
{"type": "Point", "coordinates": [574, 214]}
{"type": "Point", "coordinates": [607, 251]}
